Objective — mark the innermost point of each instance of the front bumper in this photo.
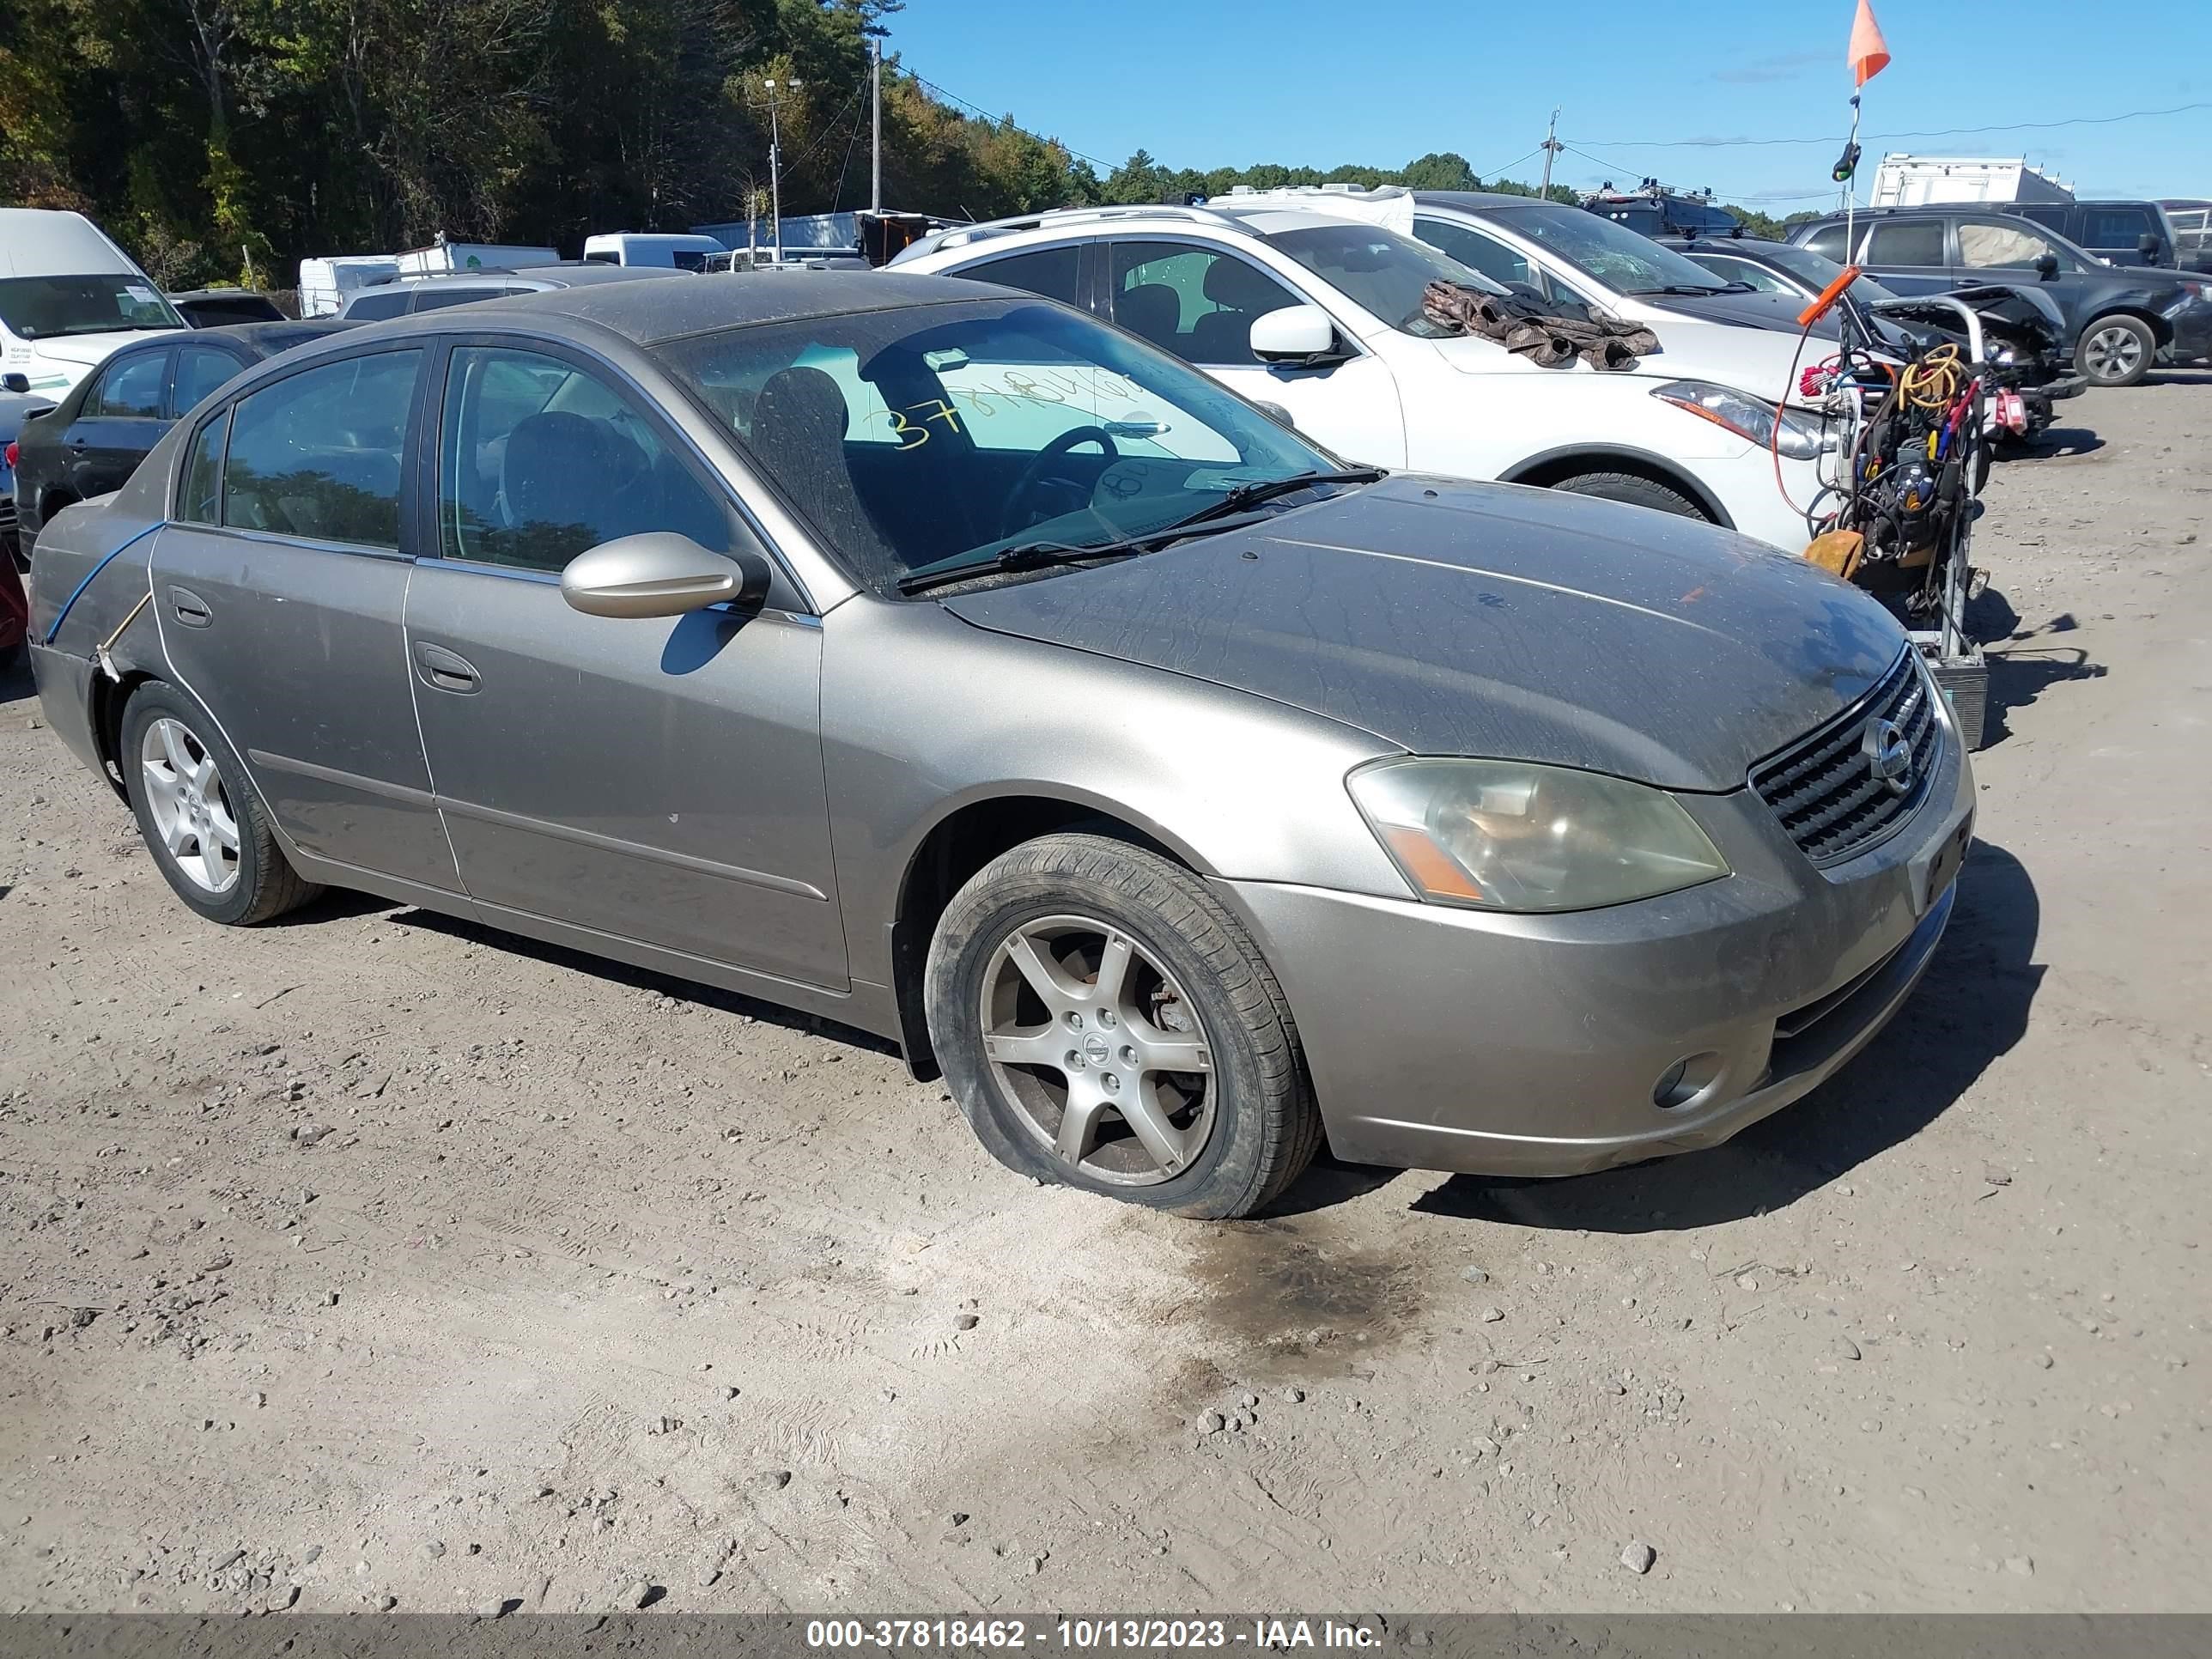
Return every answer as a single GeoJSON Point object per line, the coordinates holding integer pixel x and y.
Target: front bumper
{"type": "Point", "coordinates": [1450, 1039]}
{"type": "Point", "coordinates": [2193, 332]}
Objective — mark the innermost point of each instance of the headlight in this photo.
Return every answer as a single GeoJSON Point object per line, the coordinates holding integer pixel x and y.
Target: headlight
{"type": "Point", "coordinates": [1747, 417]}
{"type": "Point", "coordinates": [1515, 835]}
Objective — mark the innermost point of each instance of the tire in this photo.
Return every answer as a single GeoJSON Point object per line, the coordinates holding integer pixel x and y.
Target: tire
{"type": "Point", "coordinates": [1243, 1121]}
{"type": "Point", "coordinates": [166, 732]}
{"type": "Point", "coordinates": [1635, 490]}
{"type": "Point", "coordinates": [2116, 350]}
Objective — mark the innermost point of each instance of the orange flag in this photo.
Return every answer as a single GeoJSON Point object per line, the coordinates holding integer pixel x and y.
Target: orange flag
{"type": "Point", "coordinates": [1869, 53]}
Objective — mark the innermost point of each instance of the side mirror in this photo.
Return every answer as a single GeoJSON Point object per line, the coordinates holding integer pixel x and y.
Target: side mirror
{"type": "Point", "coordinates": [1278, 414]}
{"type": "Point", "coordinates": [2047, 266]}
{"type": "Point", "coordinates": [1296, 336]}
{"type": "Point", "coordinates": [2147, 246]}
{"type": "Point", "coordinates": [16, 382]}
{"type": "Point", "coordinates": [661, 574]}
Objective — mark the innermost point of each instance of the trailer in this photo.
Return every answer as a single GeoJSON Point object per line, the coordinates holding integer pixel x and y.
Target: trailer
{"type": "Point", "coordinates": [1903, 180]}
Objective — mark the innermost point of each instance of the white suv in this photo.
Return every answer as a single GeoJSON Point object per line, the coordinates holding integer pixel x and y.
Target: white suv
{"type": "Point", "coordinates": [1319, 315]}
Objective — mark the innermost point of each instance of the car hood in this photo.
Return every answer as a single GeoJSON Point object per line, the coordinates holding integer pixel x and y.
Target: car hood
{"type": "Point", "coordinates": [1771, 311]}
{"type": "Point", "coordinates": [1450, 618]}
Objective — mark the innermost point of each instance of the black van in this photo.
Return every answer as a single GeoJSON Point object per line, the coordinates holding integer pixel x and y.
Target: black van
{"type": "Point", "coordinates": [2125, 232]}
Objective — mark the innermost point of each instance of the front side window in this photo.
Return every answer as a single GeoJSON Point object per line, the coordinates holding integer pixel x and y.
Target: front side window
{"type": "Point", "coordinates": [540, 460]}
{"type": "Point", "coordinates": [1742, 271]}
{"type": "Point", "coordinates": [1815, 272]}
{"type": "Point", "coordinates": [1050, 271]}
{"type": "Point", "coordinates": [914, 436]}
{"type": "Point", "coordinates": [200, 370]}
{"type": "Point", "coordinates": [1991, 245]}
{"type": "Point", "coordinates": [1908, 242]}
{"type": "Point", "coordinates": [131, 390]}
{"type": "Point", "coordinates": [202, 501]}
{"type": "Point", "coordinates": [318, 454]}
{"type": "Point", "coordinates": [2120, 227]}
{"type": "Point", "coordinates": [1478, 251]}
{"type": "Point", "coordinates": [1379, 270]}
{"type": "Point", "coordinates": [42, 307]}
{"type": "Point", "coordinates": [1198, 302]}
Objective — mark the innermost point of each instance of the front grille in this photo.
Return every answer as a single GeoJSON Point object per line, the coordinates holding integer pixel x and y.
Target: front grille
{"type": "Point", "coordinates": [1825, 789]}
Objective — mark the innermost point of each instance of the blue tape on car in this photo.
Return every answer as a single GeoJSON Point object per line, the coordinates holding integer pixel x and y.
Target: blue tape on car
{"type": "Point", "coordinates": [62, 615]}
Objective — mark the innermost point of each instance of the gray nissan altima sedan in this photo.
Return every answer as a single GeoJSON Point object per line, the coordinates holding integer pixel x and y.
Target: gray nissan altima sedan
{"type": "Point", "coordinates": [940, 661]}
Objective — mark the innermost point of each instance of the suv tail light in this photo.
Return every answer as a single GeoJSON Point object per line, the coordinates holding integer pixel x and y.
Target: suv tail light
{"type": "Point", "coordinates": [8, 454]}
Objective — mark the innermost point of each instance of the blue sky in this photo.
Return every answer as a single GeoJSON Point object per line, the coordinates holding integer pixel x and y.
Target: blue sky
{"type": "Point", "coordinates": [1321, 82]}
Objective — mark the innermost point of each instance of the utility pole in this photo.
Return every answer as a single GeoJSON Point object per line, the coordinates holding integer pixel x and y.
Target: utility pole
{"type": "Point", "coordinates": [1552, 147]}
{"type": "Point", "coordinates": [776, 158]}
{"type": "Point", "coordinates": [876, 100]}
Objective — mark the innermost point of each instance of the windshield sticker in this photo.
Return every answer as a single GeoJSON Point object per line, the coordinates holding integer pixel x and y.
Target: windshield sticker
{"type": "Point", "coordinates": [144, 296]}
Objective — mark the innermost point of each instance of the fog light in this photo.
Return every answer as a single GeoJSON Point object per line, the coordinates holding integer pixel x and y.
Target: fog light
{"type": "Point", "coordinates": [1686, 1080]}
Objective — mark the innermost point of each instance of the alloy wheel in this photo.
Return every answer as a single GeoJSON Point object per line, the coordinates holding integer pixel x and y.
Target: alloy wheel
{"type": "Point", "coordinates": [1098, 1050]}
{"type": "Point", "coordinates": [188, 804]}
{"type": "Point", "coordinates": [2112, 353]}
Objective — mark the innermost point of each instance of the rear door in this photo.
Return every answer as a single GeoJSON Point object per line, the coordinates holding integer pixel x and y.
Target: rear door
{"type": "Point", "coordinates": [658, 780]}
{"type": "Point", "coordinates": [280, 587]}
{"type": "Point", "coordinates": [123, 418]}
{"type": "Point", "coordinates": [1909, 252]}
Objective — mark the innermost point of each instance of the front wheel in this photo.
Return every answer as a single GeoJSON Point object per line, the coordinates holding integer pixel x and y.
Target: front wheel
{"type": "Point", "coordinates": [1104, 1022]}
{"type": "Point", "coordinates": [205, 827]}
{"type": "Point", "coordinates": [1635, 490]}
{"type": "Point", "coordinates": [2116, 350]}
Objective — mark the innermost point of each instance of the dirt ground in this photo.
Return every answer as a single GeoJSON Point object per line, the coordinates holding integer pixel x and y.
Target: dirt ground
{"type": "Point", "coordinates": [600, 1284]}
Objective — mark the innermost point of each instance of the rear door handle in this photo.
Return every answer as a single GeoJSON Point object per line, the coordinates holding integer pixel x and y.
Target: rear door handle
{"type": "Point", "coordinates": [190, 608]}
{"type": "Point", "coordinates": [446, 671]}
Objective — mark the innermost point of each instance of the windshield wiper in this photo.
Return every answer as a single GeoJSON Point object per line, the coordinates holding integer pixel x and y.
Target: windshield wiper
{"type": "Point", "coordinates": [1244, 496]}
{"type": "Point", "coordinates": [1686, 290]}
{"type": "Point", "coordinates": [1038, 556]}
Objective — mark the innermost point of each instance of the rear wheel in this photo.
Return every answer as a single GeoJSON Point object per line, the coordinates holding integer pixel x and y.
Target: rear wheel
{"type": "Point", "coordinates": [1105, 1023]}
{"type": "Point", "coordinates": [206, 828]}
{"type": "Point", "coordinates": [2116, 350]}
{"type": "Point", "coordinates": [1635, 490]}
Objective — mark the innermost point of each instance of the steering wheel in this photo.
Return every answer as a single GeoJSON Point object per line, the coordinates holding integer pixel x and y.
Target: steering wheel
{"type": "Point", "coordinates": [1033, 474]}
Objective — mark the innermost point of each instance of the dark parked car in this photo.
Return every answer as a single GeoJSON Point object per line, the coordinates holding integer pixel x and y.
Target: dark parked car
{"type": "Point", "coordinates": [404, 296]}
{"type": "Point", "coordinates": [2120, 318]}
{"type": "Point", "coordinates": [2122, 233]}
{"type": "Point", "coordinates": [2023, 334]}
{"type": "Point", "coordinates": [92, 441]}
{"type": "Point", "coordinates": [2191, 219]}
{"type": "Point", "coordinates": [212, 308]}
{"type": "Point", "coordinates": [923, 655]}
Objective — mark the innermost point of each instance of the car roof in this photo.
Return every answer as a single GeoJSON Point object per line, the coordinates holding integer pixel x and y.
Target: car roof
{"type": "Point", "coordinates": [1477, 200]}
{"type": "Point", "coordinates": [1682, 239]}
{"type": "Point", "coordinates": [678, 304]}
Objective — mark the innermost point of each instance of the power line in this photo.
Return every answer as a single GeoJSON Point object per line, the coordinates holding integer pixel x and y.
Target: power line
{"type": "Point", "coordinates": [1499, 173]}
{"type": "Point", "coordinates": [953, 97]}
{"type": "Point", "coordinates": [1932, 132]}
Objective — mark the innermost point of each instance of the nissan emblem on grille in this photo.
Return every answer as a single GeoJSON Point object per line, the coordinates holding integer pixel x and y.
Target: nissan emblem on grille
{"type": "Point", "coordinates": [1889, 757]}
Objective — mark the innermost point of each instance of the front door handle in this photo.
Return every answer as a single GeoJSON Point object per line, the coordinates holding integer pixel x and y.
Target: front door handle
{"type": "Point", "coordinates": [190, 608]}
{"type": "Point", "coordinates": [446, 671]}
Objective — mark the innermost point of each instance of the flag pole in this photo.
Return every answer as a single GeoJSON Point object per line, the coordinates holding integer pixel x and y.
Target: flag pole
{"type": "Point", "coordinates": [1851, 186]}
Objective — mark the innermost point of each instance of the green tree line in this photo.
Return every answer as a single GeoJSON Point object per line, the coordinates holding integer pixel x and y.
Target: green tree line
{"type": "Point", "coordinates": [222, 140]}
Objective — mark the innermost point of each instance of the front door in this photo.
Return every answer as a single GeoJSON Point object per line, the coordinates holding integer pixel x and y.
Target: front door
{"type": "Point", "coordinates": [2005, 249]}
{"type": "Point", "coordinates": [280, 586]}
{"type": "Point", "coordinates": [1199, 302]}
{"type": "Point", "coordinates": [658, 780]}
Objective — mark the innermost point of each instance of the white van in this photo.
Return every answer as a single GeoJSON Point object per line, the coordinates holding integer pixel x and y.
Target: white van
{"type": "Point", "coordinates": [629, 248]}
{"type": "Point", "coordinates": [443, 255]}
{"type": "Point", "coordinates": [67, 297]}
{"type": "Point", "coordinates": [326, 284]}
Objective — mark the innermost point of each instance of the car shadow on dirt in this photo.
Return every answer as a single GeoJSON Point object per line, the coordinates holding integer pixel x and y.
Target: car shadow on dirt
{"type": "Point", "coordinates": [621, 973]}
{"type": "Point", "coordinates": [1971, 1007]}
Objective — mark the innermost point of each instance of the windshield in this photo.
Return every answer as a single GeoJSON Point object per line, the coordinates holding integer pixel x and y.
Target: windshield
{"type": "Point", "coordinates": [41, 307]}
{"type": "Point", "coordinates": [948, 432]}
{"type": "Point", "coordinates": [1810, 267]}
{"type": "Point", "coordinates": [1380, 271]}
{"type": "Point", "coordinates": [1613, 255]}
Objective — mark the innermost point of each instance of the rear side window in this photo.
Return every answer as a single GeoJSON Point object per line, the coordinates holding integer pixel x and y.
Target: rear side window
{"type": "Point", "coordinates": [437, 299]}
{"type": "Point", "coordinates": [1907, 242]}
{"type": "Point", "coordinates": [200, 370]}
{"type": "Point", "coordinates": [318, 454]}
{"type": "Point", "coordinates": [1827, 242]}
{"type": "Point", "coordinates": [375, 307]}
{"type": "Point", "coordinates": [2050, 218]}
{"type": "Point", "coordinates": [203, 494]}
{"type": "Point", "coordinates": [131, 389]}
{"type": "Point", "coordinates": [1476, 251]}
{"type": "Point", "coordinates": [1050, 271]}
